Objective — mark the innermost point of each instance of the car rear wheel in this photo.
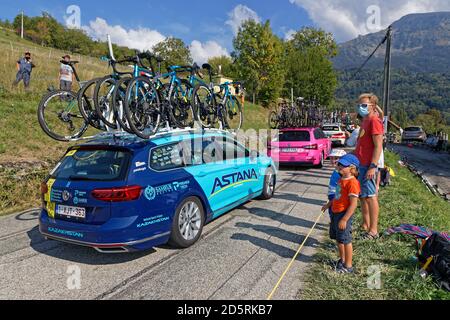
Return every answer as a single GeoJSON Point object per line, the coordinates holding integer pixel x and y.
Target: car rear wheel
{"type": "Point", "coordinates": [322, 159]}
{"type": "Point", "coordinates": [187, 223]}
{"type": "Point", "coordinates": [269, 185]}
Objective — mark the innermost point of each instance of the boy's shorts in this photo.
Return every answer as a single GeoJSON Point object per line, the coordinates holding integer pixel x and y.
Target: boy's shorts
{"type": "Point", "coordinates": [368, 187]}
{"type": "Point", "coordinates": [341, 236]}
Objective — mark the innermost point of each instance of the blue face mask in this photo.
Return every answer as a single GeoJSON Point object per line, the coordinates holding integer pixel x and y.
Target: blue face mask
{"type": "Point", "coordinates": [363, 110]}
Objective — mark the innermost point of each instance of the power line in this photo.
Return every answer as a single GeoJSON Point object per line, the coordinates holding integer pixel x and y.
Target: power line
{"type": "Point", "coordinates": [370, 57]}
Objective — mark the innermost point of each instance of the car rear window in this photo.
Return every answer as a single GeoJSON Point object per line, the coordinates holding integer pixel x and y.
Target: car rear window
{"type": "Point", "coordinates": [331, 128]}
{"type": "Point", "coordinates": [285, 136]}
{"type": "Point", "coordinates": [413, 129]}
{"type": "Point", "coordinates": [93, 164]}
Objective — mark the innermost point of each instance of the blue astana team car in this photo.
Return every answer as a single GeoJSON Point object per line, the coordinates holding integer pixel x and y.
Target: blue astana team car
{"type": "Point", "coordinates": [120, 194]}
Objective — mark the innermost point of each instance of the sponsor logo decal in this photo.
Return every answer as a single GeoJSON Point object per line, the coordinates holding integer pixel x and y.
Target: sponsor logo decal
{"type": "Point", "coordinates": [233, 179]}
{"type": "Point", "coordinates": [152, 192]}
{"type": "Point", "coordinates": [66, 195]}
{"type": "Point", "coordinates": [139, 169]}
{"type": "Point", "coordinates": [140, 164]}
{"type": "Point", "coordinates": [80, 197]}
{"type": "Point", "coordinates": [66, 232]}
{"type": "Point", "coordinates": [153, 220]}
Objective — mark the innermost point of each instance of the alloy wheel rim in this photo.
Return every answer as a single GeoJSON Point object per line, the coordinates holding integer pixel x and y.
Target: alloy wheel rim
{"type": "Point", "coordinates": [189, 221]}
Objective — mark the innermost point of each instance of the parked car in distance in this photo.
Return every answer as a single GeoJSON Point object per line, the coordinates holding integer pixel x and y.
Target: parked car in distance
{"type": "Point", "coordinates": [335, 133]}
{"type": "Point", "coordinates": [414, 133]}
{"type": "Point", "coordinates": [300, 146]}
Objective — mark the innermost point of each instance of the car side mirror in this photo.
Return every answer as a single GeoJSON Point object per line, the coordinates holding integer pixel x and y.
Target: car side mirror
{"type": "Point", "coordinates": [254, 154]}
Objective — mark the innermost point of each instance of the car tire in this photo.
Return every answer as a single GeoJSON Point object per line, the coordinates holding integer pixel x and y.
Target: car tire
{"type": "Point", "coordinates": [188, 223]}
{"type": "Point", "coordinates": [321, 162]}
{"type": "Point", "coordinates": [269, 184]}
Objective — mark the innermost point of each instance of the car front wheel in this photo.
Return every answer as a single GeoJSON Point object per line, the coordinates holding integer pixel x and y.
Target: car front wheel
{"type": "Point", "coordinates": [269, 185]}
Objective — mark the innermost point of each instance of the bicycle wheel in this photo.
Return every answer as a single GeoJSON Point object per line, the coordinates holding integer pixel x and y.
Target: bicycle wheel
{"type": "Point", "coordinates": [118, 102]}
{"type": "Point", "coordinates": [86, 105]}
{"type": "Point", "coordinates": [142, 107]}
{"type": "Point", "coordinates": [273, 120]}
{"type": "Point", "coordinates": [204, 104]}
{"type": "Point", "coordinates": [232, 114]}
{"type": "Point", "coordinates": [103, 101]}
{"type": "Point", "coordinates": [181, 111]}
{"type": "Point", "coordinates": [59, 116]}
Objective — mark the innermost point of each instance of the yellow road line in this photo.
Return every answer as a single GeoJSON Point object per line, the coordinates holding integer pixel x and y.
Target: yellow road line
{"type": "Point", "coordinates": [295, 257]}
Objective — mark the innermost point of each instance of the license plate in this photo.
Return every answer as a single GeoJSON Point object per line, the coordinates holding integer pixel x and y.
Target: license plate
{"type": "Point", "coordinates": [290, 150]}
{"type": "Point", "coordinates": [71, 211]}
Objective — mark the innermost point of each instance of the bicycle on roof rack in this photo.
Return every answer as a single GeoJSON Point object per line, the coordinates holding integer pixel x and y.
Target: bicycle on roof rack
{"type": "Point", "coordinates": [140, 102]}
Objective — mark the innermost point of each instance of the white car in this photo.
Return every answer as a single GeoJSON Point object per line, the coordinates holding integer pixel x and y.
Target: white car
{"type": "Point", "coordinates": [335, 133]}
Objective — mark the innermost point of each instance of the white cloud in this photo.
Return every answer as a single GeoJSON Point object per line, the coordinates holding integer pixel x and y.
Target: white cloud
{"type": "Point", "coordinates": [240, 14]}
{"type": "Point", "coordinates": [201, 52]}
{"type": "Point", "coordinates": [349, 18]}
{"type": "Point", "coordinates": [141, 38]}
{"type": "Point", "coordinates": [288, 35]}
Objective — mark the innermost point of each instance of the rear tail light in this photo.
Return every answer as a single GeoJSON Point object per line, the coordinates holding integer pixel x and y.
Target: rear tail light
{"type": "Point", "coordinates": [118, 194]}
{"type": "Point", "coordinates": [339, 135]}
{"type": "Point", "coordinates": [311, 147]}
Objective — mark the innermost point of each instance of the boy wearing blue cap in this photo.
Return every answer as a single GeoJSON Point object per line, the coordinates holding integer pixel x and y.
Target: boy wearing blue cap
{"type": "Point", "coordinates": [343, 207]}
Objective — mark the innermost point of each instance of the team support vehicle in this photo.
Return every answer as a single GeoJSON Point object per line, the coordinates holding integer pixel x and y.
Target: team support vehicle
{"type": "Point", "coordinates": [300, 146]}
{"type": "Point", "coordinates": [124, 193]}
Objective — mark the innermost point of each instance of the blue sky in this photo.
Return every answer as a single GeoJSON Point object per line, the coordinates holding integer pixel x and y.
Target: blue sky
{"type": "Point", "coordinates": [208, 27]}
{"type": "Point", "coordinates": [200, 20]}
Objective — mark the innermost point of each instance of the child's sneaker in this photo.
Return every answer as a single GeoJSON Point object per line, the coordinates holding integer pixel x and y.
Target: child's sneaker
{"type": "Point", "coordinates": [344, 269]}
{"type": "Point", "coordinates": [338, 264]}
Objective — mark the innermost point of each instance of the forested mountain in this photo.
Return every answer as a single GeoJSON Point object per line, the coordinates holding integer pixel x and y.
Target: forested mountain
{"type": "Point", "coordinates": [420, 62]}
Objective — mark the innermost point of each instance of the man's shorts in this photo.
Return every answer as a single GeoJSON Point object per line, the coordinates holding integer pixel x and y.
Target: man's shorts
{"type": "Point", "coordinates": [368, 187]}
{"type": "Point", "coordinates": [341, 236]}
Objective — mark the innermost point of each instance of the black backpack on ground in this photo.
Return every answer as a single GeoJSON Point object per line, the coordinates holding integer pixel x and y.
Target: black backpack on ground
{"type": "Point", "coordinates": [437, 248]}
{"type": "Point", "coordinates": [385, 177]}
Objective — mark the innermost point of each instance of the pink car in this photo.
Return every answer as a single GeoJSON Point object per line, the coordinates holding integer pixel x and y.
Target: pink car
{"type": "Point", "coordinates": [307, 146]}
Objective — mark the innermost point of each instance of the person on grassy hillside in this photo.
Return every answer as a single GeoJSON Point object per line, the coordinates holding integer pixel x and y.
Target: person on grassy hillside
{"type": "Point", "coordinates": [343, 207]}
{"type": "Point", "coordinates": [368, 150]}
{"type": "Point", "coordinates": [66, 74]}
{"type": "Point", "coordinates": [24, 66]}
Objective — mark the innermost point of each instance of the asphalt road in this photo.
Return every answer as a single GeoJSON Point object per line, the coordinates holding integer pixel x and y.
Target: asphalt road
{"type": "Point", "coordinates": [433, 165]}
{"type": "Point", "coordinates": [241, 255]}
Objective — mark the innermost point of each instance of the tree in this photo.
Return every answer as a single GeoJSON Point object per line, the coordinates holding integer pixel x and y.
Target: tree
{"type": "Point", "coordinates": [432, 121]}
{"type": "Point", "coordinates": [174, 52]}
{"type": "Point", "coordinates": [309, 71]}
{"type": "Point", "coordinates": [226, 63]}
{"type": "Point", "coordinates": [258, 53]}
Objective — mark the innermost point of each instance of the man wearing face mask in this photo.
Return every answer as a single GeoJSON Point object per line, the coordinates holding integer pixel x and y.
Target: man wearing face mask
{"type": "Point", "coordinates": [368, 150]}
{"type": "Point", "coordinates": [24, 68]}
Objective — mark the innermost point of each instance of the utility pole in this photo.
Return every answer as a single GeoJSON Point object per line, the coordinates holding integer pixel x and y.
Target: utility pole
{"type": "Point", "coordinates": [21, 29]}
{"type": "Point", "coordinates": [387, 79]}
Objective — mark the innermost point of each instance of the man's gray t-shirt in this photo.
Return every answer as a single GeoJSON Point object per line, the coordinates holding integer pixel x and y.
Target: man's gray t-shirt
{"type": "Point", "coordinates": [66, 72]}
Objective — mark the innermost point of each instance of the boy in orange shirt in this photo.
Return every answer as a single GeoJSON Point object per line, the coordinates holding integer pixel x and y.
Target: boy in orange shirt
{"type": "Point", "coordinates": [343, 207]}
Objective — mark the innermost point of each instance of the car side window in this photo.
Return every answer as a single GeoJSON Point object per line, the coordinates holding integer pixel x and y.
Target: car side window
{"type": "Point", "coordinates": [317, 135]}
{"type": "Point", "coordinates": [212, 150]}
{"type": "Point", "coordinates": [233, 150]}
{"type": "Point", "coordinates": [168, 157]}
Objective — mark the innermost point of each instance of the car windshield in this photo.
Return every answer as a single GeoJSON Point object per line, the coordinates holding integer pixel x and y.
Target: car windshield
{"type": "Point", "coordinates": [412, 129]}
{"type": "Point", "coordinates": [98, 165]}
{"type": "Point", "coordinates": [285, 136]}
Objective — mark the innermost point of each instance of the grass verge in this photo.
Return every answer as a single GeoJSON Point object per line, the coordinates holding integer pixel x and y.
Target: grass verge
{"type": "Point", "coordinates": [406, 201]}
